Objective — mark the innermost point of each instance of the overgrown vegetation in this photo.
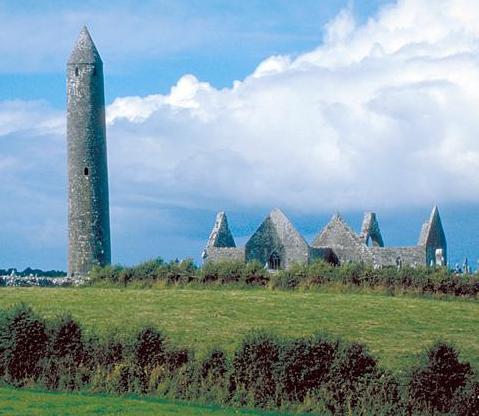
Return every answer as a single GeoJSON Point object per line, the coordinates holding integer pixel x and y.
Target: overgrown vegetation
{"type": "Point", "coordinates": [423, 280]}
{"type": "Point", "coordinates": [317, 374]}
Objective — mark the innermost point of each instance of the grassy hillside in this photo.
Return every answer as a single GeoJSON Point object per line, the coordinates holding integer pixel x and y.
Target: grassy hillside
{"type": "Point", "coordinates": [395, 328]}
{"type": "Point", "coordinates": [28, 403]}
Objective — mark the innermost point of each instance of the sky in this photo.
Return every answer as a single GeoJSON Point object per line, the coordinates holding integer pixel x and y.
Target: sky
{"type": "Point", "coordinates": [313, 106]}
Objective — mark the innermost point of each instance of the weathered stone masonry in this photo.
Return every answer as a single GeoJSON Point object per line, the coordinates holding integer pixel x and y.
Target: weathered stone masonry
{"type": "Point", "coordinates": [277, 244]}
{"type": "Point", "coordinates": [88, 207]}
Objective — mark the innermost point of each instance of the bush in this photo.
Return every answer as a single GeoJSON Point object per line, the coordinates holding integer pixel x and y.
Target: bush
{"type": "Point", "coordinates": [222, 272]}
{"type": "Point", "coordinates": [305, 366]}
{"type": "Point", "coordinates": [66, 366]}
{"type": "Point", "coordinates": [420, 279]}
{"type": "Point", "coordinates": [315, 374]}
{"type": "Point", "coordinates": [108, 351]}
{"type": "Point", "coordinates": [150, 348]}
{"type": "Point", "coordinates": [353, 368]}
{"type": "Point", "coordinates": [23, 344]}
{"type": "Point", "coordinates": [254, 369]}
{"type": "Point", "coordinates": [255, 274]}
{"type": "Point", "coordinates": [434, 384]}
{"type": "Point", "coordinates": [380, 394]}
{"type": "Point", "coordinates": [466, 400]}
{"type": "Point", "coordinates": [67, 340]}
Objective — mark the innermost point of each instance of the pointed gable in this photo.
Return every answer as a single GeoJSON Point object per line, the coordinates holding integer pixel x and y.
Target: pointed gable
{"type": "Point", "coordinates": [345, 243]}
{"type": "Point", "coordinates": [433, 237]}
{"type": "Point", "coordinates": [221, 235]}
{"type": "Point", "coordinates": [336, 233]}
{"type": "Point", "coordinates": [370, 230]}
{"type": "Point", "coordinates": [285, 229]}
{"type": "Point", "coordinates": [277, 237]}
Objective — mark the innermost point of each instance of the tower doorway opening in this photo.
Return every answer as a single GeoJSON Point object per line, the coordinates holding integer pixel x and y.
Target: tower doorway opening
{"type": "Point", "coordinates": [85, 171]}
{"type": "Point", "coordinates": [274, 261]}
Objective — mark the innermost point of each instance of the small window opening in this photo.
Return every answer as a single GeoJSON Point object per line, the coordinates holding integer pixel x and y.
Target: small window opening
{"type": "Point", "coordinates": [76, 71]}
{"type": "Point", "coordinates": [94, 71]}
{"type": "Point", "coordinates": [85, 171]}
{"type": "Point", "coordinates": [274, 261]}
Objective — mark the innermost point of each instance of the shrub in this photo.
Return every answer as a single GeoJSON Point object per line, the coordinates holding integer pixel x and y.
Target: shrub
{"type": "Point", "coordinates": [418, 279]}
{"type": "Point", "coordinates": [380, 394]}
{"type": "Point", "coordinates": [352, 369]}
{"type": "Point", "coordinates": [121, 379]}
{"type": "Point", "coordinates": [23, 344]}
{"type": "Point", "coordinates": [66, 341]}
{"type": "Point", "coordinates": [434, 384]}
{"type": "Point", "coordinates": [222, 272]}
{"type": "Point", "coordinates": [305, 366]}
{"type": "Point", "coordinates": [106, 273]}
{"type": "Point", "coordinates": [285, 280]}
{"type": "Point", "coordinates": [466, 400]}
{"type": "Point", "coordinates": [214, 366]}
{"type": "Point", "coordinates": [150, 348]}
{"type": "Point", "coordinates": [254, 369]}
{"type": "Point", "coordinates": [255, 274]}
{"type": "Point", "coordinates": [108, 351]}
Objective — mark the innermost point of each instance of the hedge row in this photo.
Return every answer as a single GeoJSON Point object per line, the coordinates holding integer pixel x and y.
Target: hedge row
{"type": "Point", "coordinates": [417, 279]}
{"type": "Point", "coordinates": [316, 374]}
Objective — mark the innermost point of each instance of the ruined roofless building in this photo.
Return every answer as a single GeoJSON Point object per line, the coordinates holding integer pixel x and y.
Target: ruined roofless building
{"type": "Point", "coordinates": [88, 207]}
{"type": "Point", "coordinates": [276, 244]}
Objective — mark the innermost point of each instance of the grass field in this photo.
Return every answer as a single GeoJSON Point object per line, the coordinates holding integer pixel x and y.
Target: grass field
{"type": "Point", "coordinates": [39, 403]}
{"type": "Point", "coordinates": [395, 328]}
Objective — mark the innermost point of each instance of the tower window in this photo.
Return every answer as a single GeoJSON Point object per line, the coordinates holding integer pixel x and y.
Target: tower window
{"type": "Point", "coordinates": [94, 71]}
{"type": "Point", "coordinates": [76, 71]}
{"type": "Point", "coordinates": [85, 171]}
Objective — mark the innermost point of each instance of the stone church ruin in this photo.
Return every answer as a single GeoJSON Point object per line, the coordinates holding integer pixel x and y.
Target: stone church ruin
{"type": "Point", "coordinates": [277, 244]}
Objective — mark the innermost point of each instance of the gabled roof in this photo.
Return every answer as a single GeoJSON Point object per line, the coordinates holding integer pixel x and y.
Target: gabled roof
{"type": "Point", "coordinates": [277, 235]}
{"type": "Point", "coordinates": [284, 228]}
{"type": "Point", "coordinates": [221, 235]}
{"type": "Point", "coordinates": [85, 51]}
{"type": "Point", "coordinates": [337, 234]}
{"type": "Point", "coordinates": [344, 242]}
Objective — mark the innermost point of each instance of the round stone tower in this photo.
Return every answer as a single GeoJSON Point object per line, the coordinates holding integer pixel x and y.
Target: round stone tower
{"type": "Point", "coordinates": [88, 207]}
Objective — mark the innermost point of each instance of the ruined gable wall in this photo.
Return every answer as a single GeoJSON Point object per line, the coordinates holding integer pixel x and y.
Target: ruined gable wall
{"type": "Point", "coordinates": [263, 242]}
{"type": "Point", "coordinates": [221, 235]}
{"type": "Point", "coordinates": [296, 249]}
{"type": "Point", "coordinates": [346, 245]}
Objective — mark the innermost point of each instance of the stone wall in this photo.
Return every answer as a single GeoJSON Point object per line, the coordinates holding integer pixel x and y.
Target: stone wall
{"type": "Point", "coordinates": [216, 254]}
{"type": "Point", "coordinates": [409, 256]}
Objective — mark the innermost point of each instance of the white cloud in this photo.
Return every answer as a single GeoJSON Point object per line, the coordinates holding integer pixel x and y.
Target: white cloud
{"type": "Point", "coordinates": [381, 114]}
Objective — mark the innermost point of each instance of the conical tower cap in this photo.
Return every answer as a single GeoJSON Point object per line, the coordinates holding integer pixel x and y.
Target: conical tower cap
{"type": "Point", "coordinates": [85, 51]}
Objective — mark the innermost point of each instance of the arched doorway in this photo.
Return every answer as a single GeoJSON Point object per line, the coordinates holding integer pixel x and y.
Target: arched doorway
{"type": "Point", "coordinates": [274, 261]}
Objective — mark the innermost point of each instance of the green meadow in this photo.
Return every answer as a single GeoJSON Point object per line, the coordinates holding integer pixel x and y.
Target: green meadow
{"type": "Point", "coordinates": [394, 328]}
{"type": "Point", "coordinates": [40, 403]}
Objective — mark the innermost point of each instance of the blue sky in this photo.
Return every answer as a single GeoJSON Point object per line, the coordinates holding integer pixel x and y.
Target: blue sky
{"type": "Point", "coordinates": [312, 106]}
{"type": "Point", "coordinates": [217, 40]}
